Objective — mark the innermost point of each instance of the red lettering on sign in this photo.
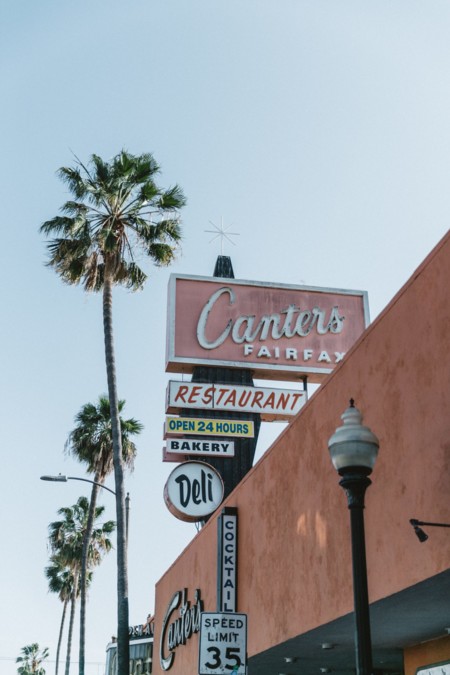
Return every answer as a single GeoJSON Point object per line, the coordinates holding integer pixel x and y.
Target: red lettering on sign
{"type": "Point", "coordinates": [231, 398]}
{"type": "Point", "coordinates": [181, 393]}
{"type": "Point", "coordinates": [257, 398]}
{"type": "Point", "coordinates": [270, 401]}
{"type": "Point", "coordinates": [194, 394]}
{"type": "Point", "coordinates": [222, 392]}
{"type": "Point", "coordinates": [208, 396]}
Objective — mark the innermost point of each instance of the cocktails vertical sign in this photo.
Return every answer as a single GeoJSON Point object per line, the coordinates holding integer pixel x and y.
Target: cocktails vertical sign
{"type": "Point", "coordinates": [227, 540]}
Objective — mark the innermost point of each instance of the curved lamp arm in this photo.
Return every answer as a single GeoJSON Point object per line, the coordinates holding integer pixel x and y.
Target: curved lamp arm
{"type": "Point", "coordinates": [60, 478]}
{"type": "Point", "coordinates": [421, 535]}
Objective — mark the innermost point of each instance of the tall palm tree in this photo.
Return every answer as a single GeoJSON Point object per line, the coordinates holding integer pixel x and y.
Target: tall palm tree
{"type": "Point", "coordinates": [31, 659]}
{"type": "Point", "coordinates": [117, 212]}
{"type": "Point", "coordinates": [66, 541]}
{"type": "Point", "coordinates": [91, 442]}
{"type": "Point", "coordinates": [60, 582]}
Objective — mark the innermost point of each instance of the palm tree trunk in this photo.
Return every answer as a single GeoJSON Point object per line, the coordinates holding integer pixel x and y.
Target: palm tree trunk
{"type": "Point", "coordinates": [61, 628]}
{"type": "Point", "coordinates": [122, 571]}
{"type": "Point", "coordinates": [83, 573]}
{"type": "Point", "coordinates": [72, 616]}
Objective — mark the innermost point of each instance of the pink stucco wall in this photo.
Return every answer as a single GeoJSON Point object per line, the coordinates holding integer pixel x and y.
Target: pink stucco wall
{"type": "Point", "coordinates": [294, 545]}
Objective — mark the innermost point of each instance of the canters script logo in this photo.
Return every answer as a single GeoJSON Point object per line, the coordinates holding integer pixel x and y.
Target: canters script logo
{"type": "Point", "coordinates": [287, 323]}
{"type": "Point", "coordinates": [180, 630]}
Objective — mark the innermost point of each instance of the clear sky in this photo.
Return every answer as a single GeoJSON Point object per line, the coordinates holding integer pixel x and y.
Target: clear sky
{"type": "Point", "coordinates": [319, 130]}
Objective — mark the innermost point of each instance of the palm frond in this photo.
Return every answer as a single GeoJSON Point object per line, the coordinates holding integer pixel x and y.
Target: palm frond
{"type": "Point", "coordinates": [71, 259]}
{"type": "Point", "coordinates": [172, 199]}
{"type": "Point", "coordinates": [58, 225]}
{"type": "Point", "coordinates": [102, 171]}
{"type": "Point", "coordinates": [148, 193]}
{"type": "Point", "coordinates": [161, 254]}
{"type": "Point", "coordinates": [75, 208]}
{"type": "Point", "coordinates": [130, 275]}
{"type": "Point", "coordinates": [74, 180]}
{"type": "Point", "coordinates": [134, 169]}
{"type": "Point", "coordinates": [167, 229]}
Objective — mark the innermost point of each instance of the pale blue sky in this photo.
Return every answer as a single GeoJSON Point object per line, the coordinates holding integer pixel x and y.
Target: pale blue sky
{"type": "Point", "coordinates": [319, 130]}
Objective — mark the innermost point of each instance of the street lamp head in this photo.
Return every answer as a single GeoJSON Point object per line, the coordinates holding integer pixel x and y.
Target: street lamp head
{"type": "Point", "coordinates": [420, 534]}
{"type": "Point", "coordinates": [353, 445]}
{"type": "Point", "coordinates": [56, 479]}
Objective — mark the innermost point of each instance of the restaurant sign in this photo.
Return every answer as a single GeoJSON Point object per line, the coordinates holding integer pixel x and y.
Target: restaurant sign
{"type": "Point", "coordinates": [271, 404]}
{"type": "Point", "coordinates": [277, 330]}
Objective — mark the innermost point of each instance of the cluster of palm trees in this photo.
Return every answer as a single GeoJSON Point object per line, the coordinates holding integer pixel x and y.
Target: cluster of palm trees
{"type": "Point", "coordinates": [77, 541]}
{"type": "Point", "coordinates": [118, 214]}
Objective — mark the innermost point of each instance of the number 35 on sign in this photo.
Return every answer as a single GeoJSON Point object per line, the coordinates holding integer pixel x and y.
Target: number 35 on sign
{"type": "Point", "coordinates": [223, 644]}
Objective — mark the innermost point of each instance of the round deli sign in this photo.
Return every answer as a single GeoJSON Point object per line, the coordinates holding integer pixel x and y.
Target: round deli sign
{"type": "Point", "coordinates": [194, 490]}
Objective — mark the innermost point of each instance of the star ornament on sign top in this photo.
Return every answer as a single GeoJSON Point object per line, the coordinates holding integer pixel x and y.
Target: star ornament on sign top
{"type": "Point", "coordinates": [223, 233]}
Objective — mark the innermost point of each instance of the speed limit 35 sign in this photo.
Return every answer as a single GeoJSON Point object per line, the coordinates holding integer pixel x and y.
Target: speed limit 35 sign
{"type": "Point", "coordinates": [223, 644]}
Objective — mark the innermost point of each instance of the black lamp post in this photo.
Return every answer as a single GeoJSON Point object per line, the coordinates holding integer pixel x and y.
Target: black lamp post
{"type": "Point", "coordinates": [353, 449]}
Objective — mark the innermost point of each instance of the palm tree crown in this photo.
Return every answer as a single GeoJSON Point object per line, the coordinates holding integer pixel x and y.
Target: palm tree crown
{"type": "Point", "coordinates": [91, 439]}
{"type": "Point", "coordinates": [31, 659]}
{"type": "Point", "coordinates": [118, 210]}
{"type": "Point", "coordinates": [60, 578]}
{"type": "Point", "coordinates": [66, 535]}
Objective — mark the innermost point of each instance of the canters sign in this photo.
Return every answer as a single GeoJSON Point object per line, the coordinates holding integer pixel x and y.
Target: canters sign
{"type": "Point", "coordinates": [275, 330]}
{"type": "Point", "coordinates": [178, 631]}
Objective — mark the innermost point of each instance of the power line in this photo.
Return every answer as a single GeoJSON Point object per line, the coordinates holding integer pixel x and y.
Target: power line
{"type": "Point", "coordinates": [88, 663]}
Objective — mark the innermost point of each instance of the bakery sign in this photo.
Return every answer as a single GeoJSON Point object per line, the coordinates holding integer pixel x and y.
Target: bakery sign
{"type": "Point", "coordinates": [277, 330]}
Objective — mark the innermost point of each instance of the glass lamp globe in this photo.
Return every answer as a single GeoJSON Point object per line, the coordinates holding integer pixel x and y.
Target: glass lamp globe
{"type": "Point", "coordinates": [352, 444]}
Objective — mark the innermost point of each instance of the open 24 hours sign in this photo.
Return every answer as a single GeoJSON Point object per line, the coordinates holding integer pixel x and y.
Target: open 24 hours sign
{"type": "Point", "coordinates": [181, 426]}
{"type": "Point", "coordinates": [223, 644]}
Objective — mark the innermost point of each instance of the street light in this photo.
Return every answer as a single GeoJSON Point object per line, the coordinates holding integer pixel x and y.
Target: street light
{"type": "Point", "coordinates": [60, 478]}
{"type": "Point", "coordinates": [63, 479]}
{"type": "Point", "coordinates": [421, 535]}
{"type": "Point", "coordinates": [353, 450]}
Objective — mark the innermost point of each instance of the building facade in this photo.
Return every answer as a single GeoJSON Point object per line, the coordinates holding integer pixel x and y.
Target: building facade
{"type": "Point", "coordinates": [294, 578]}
